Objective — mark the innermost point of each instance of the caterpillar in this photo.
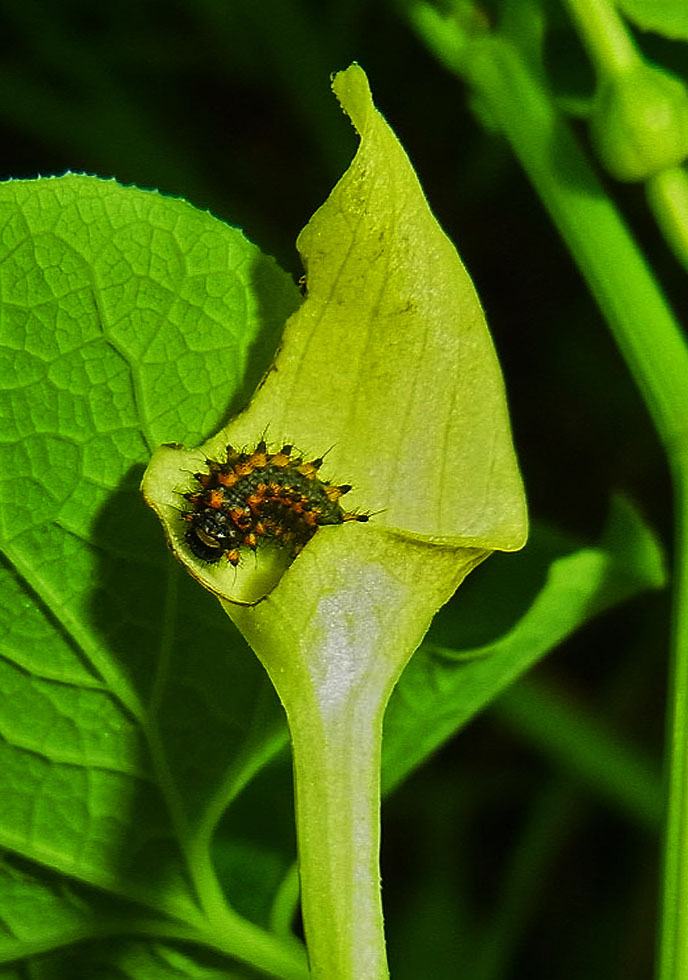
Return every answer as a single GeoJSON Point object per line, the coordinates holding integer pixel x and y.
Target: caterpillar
{"type": "Point", "coordinates": [254, 496]}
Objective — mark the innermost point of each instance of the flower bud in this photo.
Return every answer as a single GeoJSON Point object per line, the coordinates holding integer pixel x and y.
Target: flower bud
{"type": "Point", "coordinates": [639, 122]}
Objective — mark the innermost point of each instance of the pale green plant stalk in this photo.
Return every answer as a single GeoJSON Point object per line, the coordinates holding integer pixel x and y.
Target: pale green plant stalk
{"type": "Point", "coordinates": [334, 670]}
{"type": "Point", "coordinates": [389, 362]}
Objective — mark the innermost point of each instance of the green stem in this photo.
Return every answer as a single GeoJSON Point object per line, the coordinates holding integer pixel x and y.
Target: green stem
{"type": "Point", "coordinates": [673, 950]}
{"type": "Point", "coordinates": [336, 766]}
{"type": "Point", "coordinates": [615, 270]}
{"type": "Point", "coordinates": [334, 709]}
{"type": "Point", "coordinates": [639, 118]}
{"type": "Point", "coordinates": [604, 34]}
{"type": "Point", "coordinates": [334, 685]}
{"type": "Point", "coordinates": [667, 195]}
{"type": "Point", "coordinates": [656, 353]}
{"type": "Point", "coordinates": [280, 957]}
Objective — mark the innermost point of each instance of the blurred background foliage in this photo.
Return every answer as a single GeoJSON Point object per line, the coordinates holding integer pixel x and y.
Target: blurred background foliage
{"type": "Point", "coordinates": [227, 103]}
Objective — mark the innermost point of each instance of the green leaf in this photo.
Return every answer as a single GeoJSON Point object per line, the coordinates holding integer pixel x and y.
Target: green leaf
{"type": "Point", "coordinates": [446, 685]}
{"type": "Point", "coordinates": [666, 17]}
{"type": "Point", "coordinates": [131, 712]}
{"type": "Point", "coordinates": [387, 367]}
{"type": "Point", "coordinates": [52, 922]}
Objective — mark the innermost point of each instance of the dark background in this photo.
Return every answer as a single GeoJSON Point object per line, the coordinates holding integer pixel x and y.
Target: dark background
{"type": "Point", "coordinates": [227, 103]}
